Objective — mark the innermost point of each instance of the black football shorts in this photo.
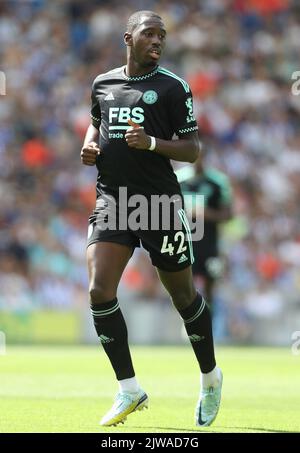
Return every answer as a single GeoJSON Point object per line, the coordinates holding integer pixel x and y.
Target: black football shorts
{"type": "Point", "coordinates": [169, 244]}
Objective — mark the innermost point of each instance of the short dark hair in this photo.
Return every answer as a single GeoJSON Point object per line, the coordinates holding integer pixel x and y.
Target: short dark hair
{"type": "Point", "coordinates": [135, 19]}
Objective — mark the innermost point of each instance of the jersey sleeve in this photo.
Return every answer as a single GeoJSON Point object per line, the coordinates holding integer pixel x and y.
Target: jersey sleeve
{"type": "Point", "coordinates": [225, 192]}
{"type": "Point", "coordinates": [95, 109]}
{"type": "Point", "coordinates": [181, 110]}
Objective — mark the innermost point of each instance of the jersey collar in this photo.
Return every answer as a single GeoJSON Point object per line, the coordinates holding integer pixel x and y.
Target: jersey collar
{"type": "Point", "coordinates": [139, 78]}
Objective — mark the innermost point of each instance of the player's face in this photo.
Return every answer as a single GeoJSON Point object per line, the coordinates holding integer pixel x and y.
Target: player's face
{"type": "Point", "coordinates": [148, 41]}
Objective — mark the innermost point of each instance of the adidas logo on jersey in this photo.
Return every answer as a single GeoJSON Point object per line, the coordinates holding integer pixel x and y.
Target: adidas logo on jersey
{"type": "Point", "coordinates": [182, 259]}
{"type": "Point", "coordinates": [109, 97]}
{"type": "Point", "coordinates": [195, 338]}
{"type": "Point", "coordinates": [105, 340]}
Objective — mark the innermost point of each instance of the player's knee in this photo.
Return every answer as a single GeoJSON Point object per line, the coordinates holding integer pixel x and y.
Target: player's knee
{"type": "Point", "coordinates": [182, 300]}
{"type": "Point", "coordinates": [99, 294]}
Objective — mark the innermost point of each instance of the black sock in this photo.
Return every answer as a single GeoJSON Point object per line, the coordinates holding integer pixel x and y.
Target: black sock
{"type": "Point", "coordinates": [197, 321]}
{"type": "Point", "coordinates": [112, 332]}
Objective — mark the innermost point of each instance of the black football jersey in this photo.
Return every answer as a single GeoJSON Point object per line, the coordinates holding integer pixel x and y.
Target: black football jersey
{"type": "Point", "coordinates": [159, 101]}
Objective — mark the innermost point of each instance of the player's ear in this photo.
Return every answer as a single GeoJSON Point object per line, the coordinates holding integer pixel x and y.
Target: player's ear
{"type": "Point", "coordinates": [128, 38]}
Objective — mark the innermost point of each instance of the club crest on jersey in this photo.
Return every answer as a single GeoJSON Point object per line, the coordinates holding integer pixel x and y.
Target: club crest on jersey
{"type": "Point", "coordinates": [150, 97]}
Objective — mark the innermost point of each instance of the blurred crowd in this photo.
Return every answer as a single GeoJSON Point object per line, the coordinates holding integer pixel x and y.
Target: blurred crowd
{"type": "Point", "coordinates": [238, 56]}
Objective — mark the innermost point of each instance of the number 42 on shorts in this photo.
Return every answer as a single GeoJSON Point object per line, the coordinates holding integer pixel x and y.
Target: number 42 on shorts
{"type": "Point", "coordinates": [168, 247]}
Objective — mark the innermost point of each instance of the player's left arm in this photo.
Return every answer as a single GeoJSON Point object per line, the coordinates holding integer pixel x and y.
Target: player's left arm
{"type": "Point", "coordinates": [183, 124]}
{"type": "Point", "coordinates": [186, 149]}
{"type": "Point", "coordinates": [224, 212]}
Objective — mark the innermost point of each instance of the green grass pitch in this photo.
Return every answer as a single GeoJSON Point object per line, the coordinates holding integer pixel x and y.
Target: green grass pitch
{"type": "Point", "coordinates": [68, 389]}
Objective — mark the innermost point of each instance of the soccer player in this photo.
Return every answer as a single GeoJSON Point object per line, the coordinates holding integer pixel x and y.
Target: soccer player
{"type": "Point", "coordinates": [136, 110]}
{"type": "Point", "coordinates": [215, 187]}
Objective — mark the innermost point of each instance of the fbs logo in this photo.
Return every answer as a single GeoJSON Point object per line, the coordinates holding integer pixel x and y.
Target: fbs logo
{"type": "Point", "coordinates": [105, 340]}
{"type": "Point", "coordinates": [123, 114]}
{"type": "Point", "coordinates": [195, 338]}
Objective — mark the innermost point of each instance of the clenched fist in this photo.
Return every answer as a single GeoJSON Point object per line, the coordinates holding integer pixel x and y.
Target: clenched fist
{"type": "Point", "coordinates": [89, 153]}
{"type": "Point", "coordinates": [136, 137]}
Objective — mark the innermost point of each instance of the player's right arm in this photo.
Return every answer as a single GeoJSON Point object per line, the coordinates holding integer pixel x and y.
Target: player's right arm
{"type": "Point", "coordinates": [90, 148]}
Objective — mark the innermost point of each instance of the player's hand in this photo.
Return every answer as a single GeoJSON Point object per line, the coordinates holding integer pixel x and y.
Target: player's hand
{"type": "Point", "coordinates": [89, 153]}
{"type": "Point", "coordinates": [136, 137]}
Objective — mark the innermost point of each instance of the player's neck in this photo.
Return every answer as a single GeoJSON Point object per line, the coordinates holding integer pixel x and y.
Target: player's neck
{"type": "Point", "coordinates": [132, 69]}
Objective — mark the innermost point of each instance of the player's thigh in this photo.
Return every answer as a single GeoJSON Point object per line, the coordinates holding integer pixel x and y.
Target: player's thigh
{"type": "Point", "coordinates": [179, 285]}
{"type": "Point", "coordinates": [106, 263]}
